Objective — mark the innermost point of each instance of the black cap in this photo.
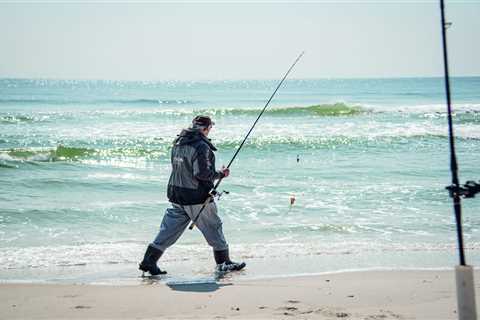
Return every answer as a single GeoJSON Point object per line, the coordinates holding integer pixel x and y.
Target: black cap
{"type": "Point", "coordinates": [202, 121]}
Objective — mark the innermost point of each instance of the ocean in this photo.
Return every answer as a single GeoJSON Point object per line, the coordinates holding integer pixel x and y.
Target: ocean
{"type": "Point", "coordinates": [84, 167]}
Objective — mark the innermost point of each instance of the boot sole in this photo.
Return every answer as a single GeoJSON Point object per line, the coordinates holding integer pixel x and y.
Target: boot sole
{"type": "Point", "coordinates": [239, 268]}
{"type": "Point", "coordinates": [146, 269]}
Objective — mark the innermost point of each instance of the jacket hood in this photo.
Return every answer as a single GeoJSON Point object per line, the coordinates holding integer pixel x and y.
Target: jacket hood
{"type": "Point", "coordinates": [189, 136]}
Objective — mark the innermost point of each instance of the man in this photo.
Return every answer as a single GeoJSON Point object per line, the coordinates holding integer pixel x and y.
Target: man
{"type": "Point", "coordinates": [192, 179]}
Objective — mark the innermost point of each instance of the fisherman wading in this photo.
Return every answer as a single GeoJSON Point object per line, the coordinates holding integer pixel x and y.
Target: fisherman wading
{"type": "Point", "coordinates": [192, 178]}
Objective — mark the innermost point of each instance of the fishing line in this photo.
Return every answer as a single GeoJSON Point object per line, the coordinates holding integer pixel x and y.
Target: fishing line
{"type": "Point", "coordinates": [213, 192]}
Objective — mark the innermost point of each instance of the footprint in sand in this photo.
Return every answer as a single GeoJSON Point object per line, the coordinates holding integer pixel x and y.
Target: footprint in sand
{"type": "Point", "coordinates": [332, 313]}
{"type": "Point", "coordinates": [290, 308]}
{"type": "Point", "coordinates": [384, 314]}
{"type": "Point", "coordinates": [293, 301]}
{"type": "Point", "coordinates": [288, 311]}
{"type": "Point", "coordinates": [82, 307]}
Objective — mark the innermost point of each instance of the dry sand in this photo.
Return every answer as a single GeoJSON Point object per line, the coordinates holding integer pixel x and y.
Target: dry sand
{"type": "Point", "coordinates": [351, 295]}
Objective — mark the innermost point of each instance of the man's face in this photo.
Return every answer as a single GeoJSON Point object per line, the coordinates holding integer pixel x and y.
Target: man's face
{"type": "Point", "coordinates": [207, 131]}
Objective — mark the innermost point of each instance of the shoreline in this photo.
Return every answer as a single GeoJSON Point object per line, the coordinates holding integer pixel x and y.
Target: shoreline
{"type": "Point", "coordinates": [242, 276]}
{"type": "Point", "coordinates": [407, 294]}
{"type": "Point", "coordinates": [125, 278]}
{"type": "Point", "coordinates": [203, 266]}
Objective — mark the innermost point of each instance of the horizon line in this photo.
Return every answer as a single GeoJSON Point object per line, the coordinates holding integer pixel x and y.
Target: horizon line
{"type": "Point", "coordinates": [234, 79]}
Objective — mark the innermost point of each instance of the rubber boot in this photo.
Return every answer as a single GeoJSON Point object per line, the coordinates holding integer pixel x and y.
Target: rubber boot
{"type": "Point", "coordinates": [149, 263]}
{"type": "Point", "coordinates": [224, 264]}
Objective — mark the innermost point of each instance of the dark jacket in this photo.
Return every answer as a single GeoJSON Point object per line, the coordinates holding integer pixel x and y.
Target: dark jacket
{"type": "Point", "coordinates": [193, 168]}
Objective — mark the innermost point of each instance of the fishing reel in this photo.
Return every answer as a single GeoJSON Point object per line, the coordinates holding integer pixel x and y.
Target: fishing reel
{"type": "Point", "coordinates": [468, 190]}
{"type": "Point", "coordinates": [214, 193]}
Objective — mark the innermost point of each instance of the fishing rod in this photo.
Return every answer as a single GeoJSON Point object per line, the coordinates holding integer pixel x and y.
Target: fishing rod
{"type": "Point", "coordinates": [463, 272]}
{"type": "Point", "coordinates": [470, 188]}
{"type": "Point", "coordinates": [214, 192]}
{"type": "Point", "coordinates": [453, 157]}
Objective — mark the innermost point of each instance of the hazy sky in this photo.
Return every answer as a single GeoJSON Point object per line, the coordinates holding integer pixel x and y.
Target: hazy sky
{"type": "Point", "coordinates": [219, 40]}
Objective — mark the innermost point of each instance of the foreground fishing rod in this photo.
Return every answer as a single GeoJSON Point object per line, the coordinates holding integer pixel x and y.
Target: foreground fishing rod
{"type": "Point", "coordinates": [214, 192]}
{"type": "Point", "coordinates": [463, 272]}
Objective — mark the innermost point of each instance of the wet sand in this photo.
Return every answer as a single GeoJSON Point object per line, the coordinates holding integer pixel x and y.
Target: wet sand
{"type": "Point", "coordinates": [350, 295]}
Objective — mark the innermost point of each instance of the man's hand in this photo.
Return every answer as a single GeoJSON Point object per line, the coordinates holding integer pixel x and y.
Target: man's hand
{"type": "Point", "coordinates": [225, 171]}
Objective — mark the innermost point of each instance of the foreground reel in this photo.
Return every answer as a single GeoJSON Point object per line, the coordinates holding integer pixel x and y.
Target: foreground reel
{"type": "Point", "coordinates": [468, 190]}
{"type": "Point", "coordinates": [215, 194]}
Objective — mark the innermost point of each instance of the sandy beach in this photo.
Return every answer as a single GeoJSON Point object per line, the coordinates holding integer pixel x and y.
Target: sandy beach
{"type": "Point", "coordinates": [349, 295]}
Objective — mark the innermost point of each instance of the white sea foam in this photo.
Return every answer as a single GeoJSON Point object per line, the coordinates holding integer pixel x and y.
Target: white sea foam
{"type": "Point", "coordinates": [130, 252]}
{"type": "Point", "coordinates": [435, 108]}
{"type": "Point", "coordinates": [6, 157]}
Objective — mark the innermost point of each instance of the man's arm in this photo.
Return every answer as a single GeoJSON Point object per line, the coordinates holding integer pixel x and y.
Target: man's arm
{"type": "Point", "coordinates": [203, 169]}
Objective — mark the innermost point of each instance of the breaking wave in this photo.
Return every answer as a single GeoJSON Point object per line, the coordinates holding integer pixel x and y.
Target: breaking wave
{"type": "Point", "coordinates": [463, 114]}
{"type": "Point", "coordinates": [16, 118]}
{"type": "Point", "coordinates": [63, 153]}
{"type": "Point", "coordinates": [11, 157]}
{"type": "Point", "coordinates": [322, 110]}
{"type": "Point", "coordinates": [336, 109]}
{"type": "Point", "coordinates": [59, 153]}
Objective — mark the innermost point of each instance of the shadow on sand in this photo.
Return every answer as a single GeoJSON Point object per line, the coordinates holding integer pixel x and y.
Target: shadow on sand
{"type": "Point", "coordinates": [196, 286]}
{"type": "Point", "coordinates": [208, 284]}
